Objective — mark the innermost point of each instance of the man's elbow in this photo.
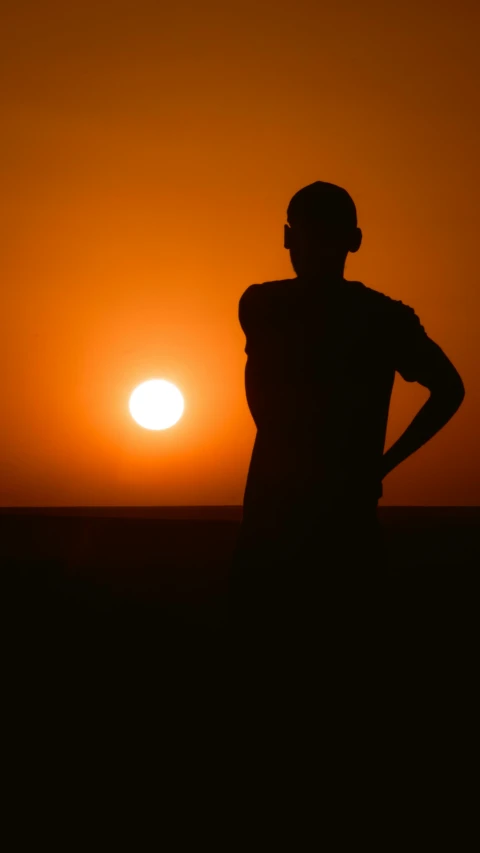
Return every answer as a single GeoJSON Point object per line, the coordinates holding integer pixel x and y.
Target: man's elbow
{"type": "Point", "coordinates": [451, 393]}
{"type": "Point", "coordinates": [460, 391]}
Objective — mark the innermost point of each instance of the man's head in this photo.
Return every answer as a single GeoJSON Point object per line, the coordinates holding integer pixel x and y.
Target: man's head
{"type": "Point", "coordinates": [322, 229]}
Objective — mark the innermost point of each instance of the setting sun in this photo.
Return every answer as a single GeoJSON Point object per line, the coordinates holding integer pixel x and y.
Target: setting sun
{"type": "Point", "coordinates": [156, 404]}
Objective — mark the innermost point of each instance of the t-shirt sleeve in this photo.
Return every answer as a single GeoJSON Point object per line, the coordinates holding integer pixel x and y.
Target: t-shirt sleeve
{"type": "Point", "coordinates": [409, 342]}
{"type": "Point", "coordinates": [248, 312]}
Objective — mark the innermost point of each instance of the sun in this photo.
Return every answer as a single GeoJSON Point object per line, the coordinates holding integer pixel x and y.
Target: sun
{"type": "Point", "coordinates": [156, 404]}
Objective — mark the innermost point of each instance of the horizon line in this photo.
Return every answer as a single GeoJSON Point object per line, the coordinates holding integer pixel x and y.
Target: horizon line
{"type": "Point", "coordinates": [207, 512]}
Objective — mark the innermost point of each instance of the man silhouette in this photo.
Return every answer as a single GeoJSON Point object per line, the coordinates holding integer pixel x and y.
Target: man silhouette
{"type": "Point", "coordinates": [322, 352]}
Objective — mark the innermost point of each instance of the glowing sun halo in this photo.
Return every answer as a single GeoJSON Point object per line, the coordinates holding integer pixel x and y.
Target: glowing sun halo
{"type": "Point", "coordinates": [156, 404]}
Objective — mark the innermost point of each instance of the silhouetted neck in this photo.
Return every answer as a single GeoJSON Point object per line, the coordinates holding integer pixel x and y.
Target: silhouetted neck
{"type": "Point", "coordinates": [322, 282]}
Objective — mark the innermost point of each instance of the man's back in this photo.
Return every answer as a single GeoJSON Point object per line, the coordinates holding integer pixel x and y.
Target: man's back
{"type": "Point", "coordinates": [319, 377]}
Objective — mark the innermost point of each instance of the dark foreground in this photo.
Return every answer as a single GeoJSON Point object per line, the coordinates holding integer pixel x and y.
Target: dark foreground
{"type": "Point", "coordinates": [117, 633]}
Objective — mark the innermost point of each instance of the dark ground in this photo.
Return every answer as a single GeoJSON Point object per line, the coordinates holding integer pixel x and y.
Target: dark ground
{"type": "Point", "coordinates": [117, 628]}
{"type": "Point", "coordinates": [86, 580]}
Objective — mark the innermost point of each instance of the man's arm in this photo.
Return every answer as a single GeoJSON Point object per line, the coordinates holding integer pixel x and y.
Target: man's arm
{"type": "Point", "coordinates": [432, 369]}
{"type": "Point", "coordinates": [249, 308]}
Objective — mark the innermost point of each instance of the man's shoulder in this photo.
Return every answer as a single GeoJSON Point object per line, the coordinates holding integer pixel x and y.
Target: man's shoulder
{"type": "Point", "coordinates": [267, 288]}
{"type": "Point", "coordinates": [262, 294]}
{"type": "Point", "coordinates": [380, 302]}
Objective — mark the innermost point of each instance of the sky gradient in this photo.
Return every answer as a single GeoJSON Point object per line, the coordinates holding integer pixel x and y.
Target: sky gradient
{"type": "Point", "coordinates": [148, 156]}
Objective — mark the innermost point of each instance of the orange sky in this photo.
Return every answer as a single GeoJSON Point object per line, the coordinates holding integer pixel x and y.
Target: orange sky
{"type": "Point", "coordinates": [147, 160]}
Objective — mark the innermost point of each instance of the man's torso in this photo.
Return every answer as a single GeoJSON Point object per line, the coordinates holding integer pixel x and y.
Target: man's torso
{"type": "Point", "coordinates": [318, 381]}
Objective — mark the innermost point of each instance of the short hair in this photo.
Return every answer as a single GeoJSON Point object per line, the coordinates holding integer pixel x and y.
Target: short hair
{"type": "Point", "coordinates": [325, 203]}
